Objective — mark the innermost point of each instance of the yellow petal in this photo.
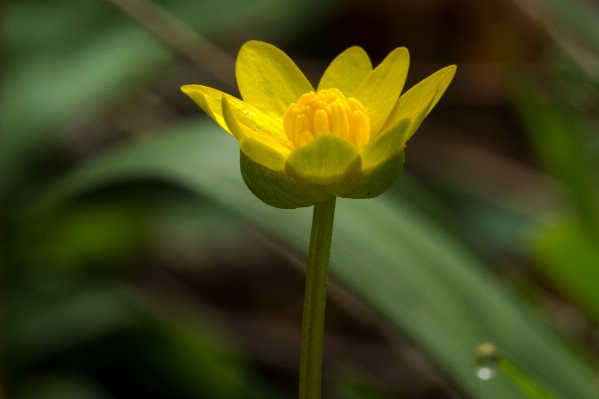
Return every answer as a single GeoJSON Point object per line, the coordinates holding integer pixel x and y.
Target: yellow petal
{"type": "Point", "coordinates": [268, 79]}
{"type": "Point", "coordinates": [347, 71]}
{"type": "Point", "coordinates": [209, 100]}
{"type": "Point", "coordinates": [444, 76]}
{"type": "Point", "coordinates": [424, 96]}
{"type": "Point", "coordinates": [245, 121]}
{"type": "Point", "coordinates": [417, 114]}
{"type": "Point", "coordinates": [263, 154]}
{"type": "Point", "coordinates": [327, 159]}
{"type": "Point", "coordinates": [385, 145]}
{"type": "Point", "coordinates": [379, 92]}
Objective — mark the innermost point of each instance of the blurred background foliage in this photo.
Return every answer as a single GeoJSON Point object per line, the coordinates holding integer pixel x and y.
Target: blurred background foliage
{"type": "Point", "coordinates": [135, 262]}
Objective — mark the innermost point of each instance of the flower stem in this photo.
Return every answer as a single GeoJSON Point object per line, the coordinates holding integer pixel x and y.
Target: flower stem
{"type": "Point", "coordinates": [315, 299]}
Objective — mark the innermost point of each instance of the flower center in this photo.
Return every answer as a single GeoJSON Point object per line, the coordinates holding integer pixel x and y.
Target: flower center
{"type": "Point", "coordinates": [327, 111]}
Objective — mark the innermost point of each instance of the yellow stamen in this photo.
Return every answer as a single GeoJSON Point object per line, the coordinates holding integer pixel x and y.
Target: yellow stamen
{"type": "Point", "coordinates": [321, 121]}
{"type": "Point", "coordinates": [305, 137]}
{"type": "Point", "coordinates": [327, 111]}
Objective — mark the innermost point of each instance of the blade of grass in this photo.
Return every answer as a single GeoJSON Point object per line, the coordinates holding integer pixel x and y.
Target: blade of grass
{"type": "Point", "coordinates": [425, 283]}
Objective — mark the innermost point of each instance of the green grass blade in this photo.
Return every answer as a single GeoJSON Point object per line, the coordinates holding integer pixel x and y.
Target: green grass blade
{"type": "Point", "coordinates": [423, 281]}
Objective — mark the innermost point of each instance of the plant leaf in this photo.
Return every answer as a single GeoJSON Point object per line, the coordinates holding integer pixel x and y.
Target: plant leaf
{"type": "Point", "coordinates": [423, 281]}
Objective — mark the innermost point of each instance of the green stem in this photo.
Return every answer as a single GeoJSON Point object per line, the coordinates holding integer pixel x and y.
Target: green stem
{"type": "Point", "coordinates": [315, 299]}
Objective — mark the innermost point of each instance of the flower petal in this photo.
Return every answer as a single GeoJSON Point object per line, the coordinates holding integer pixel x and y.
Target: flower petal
{"type": "Point", "coordinates": [443, 77]}
{"type": "Point", "coordinates": [379, 92]}
{"type": "Point", "coordinates": [417, 114]}
{"type": "Point", "coordinates": [268, 79]}
{"type": "Point", "coordinates": [385, 145]}
{"type": "Point", "coordinates": [374, 182]}
{"type": "Point", "coordinates": [278, 189]}
{"type": "Point", "coordinates": [327, 159]}
{"type": "Point", "coordinates": [209, 100]}
{"type": "Point", "coordinates": [394, 137]}
{"type": "Point", "coordinates": [347, 71]}
{"type": "Point", "coordinates": [427, 93]}
{"type": "Point", "coordinates": [245, 121]}
{"type": "Point", "coordinates": [263, 154]}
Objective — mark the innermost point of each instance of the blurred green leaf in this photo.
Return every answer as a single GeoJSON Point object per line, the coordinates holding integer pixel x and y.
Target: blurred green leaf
{"type": "Point", "coordinates": [61, 386]}
{"type": "Point", "coordinates": [530, 387]}
{"type": "Point", "coordinates": [107, 333]}
{"type": "Point", "coordinates": [193, 361]}
{"type": "Point", "coordinates": [267, 19]}
{"type": "Point", "coordinates": [355, 384]}
{"type": "Point", "coordinates": [567, 251]}
{"type": "Point", "coordinates": [485, 223]}
{"type": "Point", "coordinates": [67, 59]}
{"type": "Point", "coordinates": [558, 140]}
{"type": "Point", "coordinates": [579, 18]}
{"type": "Point", "coordinates": [62, 74]}
{"type": "Point", "coordinates": [47, 314]}
{"type": "Point", "coordinates": [571, 260]}
{"type": "Point", "coordinates": [91, 234]}
{"type": "Point", "coordinates": [424, 282]}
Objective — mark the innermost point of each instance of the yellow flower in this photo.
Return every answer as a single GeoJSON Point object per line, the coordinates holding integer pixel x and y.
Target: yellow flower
{"type": "Point", "coordinates": [347, 138]}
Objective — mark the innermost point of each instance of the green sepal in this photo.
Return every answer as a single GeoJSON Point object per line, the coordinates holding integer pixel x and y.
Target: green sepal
{"type": "Point", "coordinates": [326, 160]}
{"type": "Point", "coordinates": [372, 183]}
{"type": "Point", "coordinates": [276, 189]}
